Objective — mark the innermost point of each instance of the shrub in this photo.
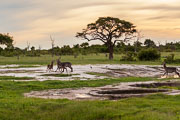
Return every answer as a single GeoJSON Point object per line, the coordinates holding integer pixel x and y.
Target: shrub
{"type": "Point", "coordinates": [169, 58]}
{"type": "Point", "coordinates": [35, 54]}
{"type": "Point", "coordinates": [7, 53]}
{"type": "Point", "coordinates": [129, 56]}
{"type": "Point", "coordinates": [149, 54]}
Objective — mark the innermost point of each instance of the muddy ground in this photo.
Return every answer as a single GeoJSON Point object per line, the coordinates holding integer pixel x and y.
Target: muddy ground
{"type": "Point", "coordinates": [81, 72]}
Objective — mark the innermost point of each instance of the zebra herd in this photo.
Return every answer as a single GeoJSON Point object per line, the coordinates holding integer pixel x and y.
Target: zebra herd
{"type": "Point", "coordinates": [60, 66]}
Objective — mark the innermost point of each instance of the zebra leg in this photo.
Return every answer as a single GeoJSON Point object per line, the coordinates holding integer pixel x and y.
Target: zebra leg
{"type": "Point", "coordinates": [47, 69]}
{"type": "Point", "coordinates": [164, 73]}
{"type": "Point", "coordinates": [71, 69]}
{"type": "Point", "coordinates": [63, 69]}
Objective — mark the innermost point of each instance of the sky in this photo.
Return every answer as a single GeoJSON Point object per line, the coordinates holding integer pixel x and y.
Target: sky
{"type": "Point", "coordinates": [33, 21]}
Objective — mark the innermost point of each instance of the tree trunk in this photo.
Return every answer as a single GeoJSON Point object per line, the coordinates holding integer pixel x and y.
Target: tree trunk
{"type": "Point", "coordinates": [111, 52]}
{"type": "Point", "coordinates": [52, 53]}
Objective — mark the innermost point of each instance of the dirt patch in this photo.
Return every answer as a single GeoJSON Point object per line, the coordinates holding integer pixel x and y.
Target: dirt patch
{"type": "Point", "coordinates": [111, 92]}
{"type": "Point", "coordinates": [59, 75]}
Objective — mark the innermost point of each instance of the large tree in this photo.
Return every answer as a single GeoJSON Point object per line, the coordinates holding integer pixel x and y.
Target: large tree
{"type": "Point", "coordinates": [109, 30]}
{"type": "Point", "coordinates": [6, 39]}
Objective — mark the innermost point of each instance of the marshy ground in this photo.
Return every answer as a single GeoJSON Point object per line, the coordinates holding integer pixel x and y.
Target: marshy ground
{"type": "Point", "coordinates": [83, 72]}
{"type": "Point", "coordinates": [88, 93]}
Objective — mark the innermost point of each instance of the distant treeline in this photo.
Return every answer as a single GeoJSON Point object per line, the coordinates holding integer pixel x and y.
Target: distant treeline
{"type": "Point", "coordinates": [85, 48]}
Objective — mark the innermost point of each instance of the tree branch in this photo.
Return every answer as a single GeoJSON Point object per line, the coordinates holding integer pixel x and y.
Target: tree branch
{"type": "Point", "coordinates": [91, 39]}
{"type": "Point", "coordinates": [124, 40]}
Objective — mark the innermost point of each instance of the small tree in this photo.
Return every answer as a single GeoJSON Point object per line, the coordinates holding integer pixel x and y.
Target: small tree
{"type": "Point", "coordinates": [52, 45]}
{"type": "Point", "coordinates": [149, 43]}
{"type": "Point", "coordinates": [6, 39]}
{"type": "Point", "coordinates": [108, 30]}
{"type": "Point", "coordinates": [32, 49]}
{"type": "Point", "coordinates": [137, 43]}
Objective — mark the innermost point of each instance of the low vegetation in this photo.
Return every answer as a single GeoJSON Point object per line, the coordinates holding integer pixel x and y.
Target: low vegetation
{"type": "Point", "coordinates": [15, 78]}
{"type": "Point", "coordinates": [22, 66]}
{"type": "Point", "coordinates": [149, 55]}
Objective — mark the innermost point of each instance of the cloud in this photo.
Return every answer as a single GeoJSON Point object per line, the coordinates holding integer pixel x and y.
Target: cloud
{"type": "Point", "coordinates": [163, 7]}
{"type": "Point", "coordinates": [35, 20]}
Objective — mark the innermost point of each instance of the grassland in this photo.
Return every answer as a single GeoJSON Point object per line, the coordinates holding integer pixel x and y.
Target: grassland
{"type": "Point", "coordinates": [98, 74]}
{"type": "Point", "coordinates": [22, 66]}
{"type": "Point", "coordinates": [15, 78]}
{"type": "Point", "coordinates": [81, 59]}
{"type": "Point", "coordinates": [14, 106]}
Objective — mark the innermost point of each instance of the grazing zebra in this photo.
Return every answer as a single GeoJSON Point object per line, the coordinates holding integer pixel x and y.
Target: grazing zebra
{"type": "Point", "coordinates": [50, 66]}
{"type": "Point", "coordinates": [63, 65]}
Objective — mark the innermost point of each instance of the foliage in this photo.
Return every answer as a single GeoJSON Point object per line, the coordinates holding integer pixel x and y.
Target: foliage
{"type": "Point", "coordinates": [129, 56]}
{"type": "Point", "coordinates": [15, 78]}
{"type": "Point", "coordinates": [66, 50]}
{"type": "Point", "coordinates": [33, 54]}
{"type": "Point", "coordinates": [149, 43]}
{"type": "Point", "coordinates": [149, 54]}
{"type": "Point", "coordinates": [6, 39]}
{"type": "Point", "coordinates": [84, 45]}
{"type": "Point", "coordinates": [169, 58]}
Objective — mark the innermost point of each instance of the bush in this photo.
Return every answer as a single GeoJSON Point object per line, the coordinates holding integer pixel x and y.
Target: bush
{"type": "Point", "coordinates": [35, 54]}
{"type": "Point", "coordinates": [169, 58]}
{"type": "Point", "coordinates": [149, 54]}
{"type": "Point", "coordinates": [7, 53]}
{"type": "Point", "coordinates": [128, 57]}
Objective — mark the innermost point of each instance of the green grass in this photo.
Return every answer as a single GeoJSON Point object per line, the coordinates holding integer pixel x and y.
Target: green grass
{"type": "Point", "coordinates": [13, 106]}
{"type": "Point", "coordinates": [15, 78]}
{"type": "Point", "coordinates": [46, 59]}
{"type": "Point", "coordinates": [98, 74]}
{"type": "Point", "coordinates": [82, 59]}
{"type": "Point", "coordinates": [23, 66]}
{"type": "Point", "coordinates": [59, 75]}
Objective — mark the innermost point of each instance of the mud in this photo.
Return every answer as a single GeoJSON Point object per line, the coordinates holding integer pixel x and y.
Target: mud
{"type": "Point", "coordinates": [82, 70]}
{"type": "Point", "coordinates": [111, 92]}
{"type": "Point", "coordinates": [158, 84]}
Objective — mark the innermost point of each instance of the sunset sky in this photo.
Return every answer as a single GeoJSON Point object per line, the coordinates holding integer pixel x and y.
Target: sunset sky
{"type": "Point", "coordinates": [35, 20]}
